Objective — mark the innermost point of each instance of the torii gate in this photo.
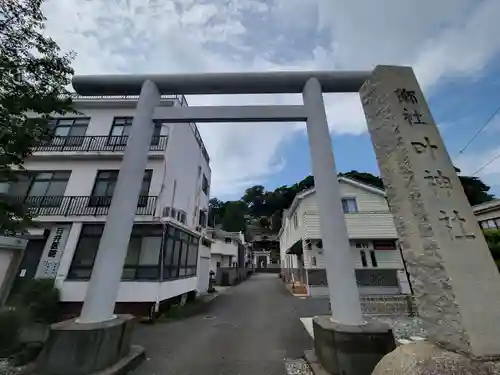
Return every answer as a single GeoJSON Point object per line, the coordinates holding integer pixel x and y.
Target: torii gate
{"type": "Point", "coordinates": [104, 283]}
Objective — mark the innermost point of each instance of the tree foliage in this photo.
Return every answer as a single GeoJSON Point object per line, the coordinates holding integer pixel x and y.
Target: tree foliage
{"type": "Point", "coordinates": [492, 237]}
{"type": "Point", "coordinates": [265, 207]}
{"type": "Point", "coordinates": [34, 74]}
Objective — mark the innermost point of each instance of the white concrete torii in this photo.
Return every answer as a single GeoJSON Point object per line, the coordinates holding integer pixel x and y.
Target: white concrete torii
{"type": "Point", "coordinates": [105, 280]}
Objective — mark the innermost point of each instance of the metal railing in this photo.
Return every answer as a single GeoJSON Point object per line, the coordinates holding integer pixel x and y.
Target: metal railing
{"type": "Point", "coordinates": [79, 205]}
{"type": "Point", "coordinates": [96, 143]}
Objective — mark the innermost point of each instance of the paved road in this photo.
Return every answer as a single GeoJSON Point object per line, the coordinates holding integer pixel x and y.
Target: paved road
{"type": "Point", "coordinates": [249, 330]}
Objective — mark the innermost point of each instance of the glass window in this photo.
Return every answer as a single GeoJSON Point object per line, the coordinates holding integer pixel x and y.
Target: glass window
{"type": "Point", "coordinates": [120, 130]}
{"type": "Point", "coordinates": [104, 186]}
{"type": "Point", "coordinates": [349, 205]}
{"type": "Point", "coordinates": [363, 258]}
{"type": "Point", "coordinates": [69, 127]}
{"type": "Point", "coordinates": [373, 258]}
{"type": "Point", "coordinates": [193, 255]}
{"type": "Point", "coordinates": [204, 186]}
{"type": "Point", "coordinates": [141, 262]}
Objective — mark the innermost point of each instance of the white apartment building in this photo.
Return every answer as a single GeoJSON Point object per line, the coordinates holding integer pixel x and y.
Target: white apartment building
{"type": "Point", "coordinates": [488, 214]}
{"type": "Point", "coordinates": [226, 248]}
{"type": "Point", "coordinates": [69, 189]}
{"type": "Point", "coordinates": [374, 248]}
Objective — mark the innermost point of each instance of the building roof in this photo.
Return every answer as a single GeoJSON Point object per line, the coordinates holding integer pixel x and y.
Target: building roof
{"type": "Point", "coordinates": [349, 181]}
{"type": "Point", "coordinates": [305, 193]}
{"type": "Point", "coordinates": [486, 206]}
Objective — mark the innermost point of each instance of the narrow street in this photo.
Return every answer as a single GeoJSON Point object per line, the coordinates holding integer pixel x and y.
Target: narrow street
{"type": "Point", "coordinates": [250, 329]}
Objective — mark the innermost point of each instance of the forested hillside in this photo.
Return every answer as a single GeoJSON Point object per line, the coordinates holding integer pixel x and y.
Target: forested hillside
{"type": "Point", "coordinates": [258, 205]}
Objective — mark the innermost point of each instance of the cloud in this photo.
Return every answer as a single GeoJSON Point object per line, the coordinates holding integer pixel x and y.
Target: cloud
{"type": "Point", "coordinates": [448, 38]}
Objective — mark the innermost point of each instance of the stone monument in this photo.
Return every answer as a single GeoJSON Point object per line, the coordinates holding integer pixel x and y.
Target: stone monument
{"type": "Point", "coordinates": [455, 280]}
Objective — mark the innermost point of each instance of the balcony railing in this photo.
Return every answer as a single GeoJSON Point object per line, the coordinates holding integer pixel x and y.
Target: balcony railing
{"type": "Point", "coordinates": [79, 205]}
{"type": "Point", "coordinates": [96, 143]}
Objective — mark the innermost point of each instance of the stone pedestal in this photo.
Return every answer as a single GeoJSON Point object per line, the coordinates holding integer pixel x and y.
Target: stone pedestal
{"type": "Point", "coordinates": [349, 350]}
{"type": "Point", "coordinates": [425, 358]}
{"type": "Point", "coordinates": [81, 349]}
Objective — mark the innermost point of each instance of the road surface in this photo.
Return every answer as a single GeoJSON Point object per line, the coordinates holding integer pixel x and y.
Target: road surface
{"type": "Point", "coordinates": [250, 329]}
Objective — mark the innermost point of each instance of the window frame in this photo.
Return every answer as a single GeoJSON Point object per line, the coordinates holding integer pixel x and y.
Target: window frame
{"type": "Point", "coordinates": [345, 205]}
{"type": "Point", "coordinates": [31, 178]}
{"type": "Point", "coordinates": [204, 185]}
{"type": "Point", "coordinates": [67, 140]}
{"type": "Point", "coordinates": [122, 139]}
{"type": "Point", "coordinates": [105, 200]}
{"type": "Point", "coordinates": [139, 231]}
{"type": "Point", "coordinates": [178, 264]}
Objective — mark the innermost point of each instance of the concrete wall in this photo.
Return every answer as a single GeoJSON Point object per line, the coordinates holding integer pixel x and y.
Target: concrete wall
{"type": "Point", "coordinates": [386, 259]}
{"type": "Point", "coordinates": [133, 291]}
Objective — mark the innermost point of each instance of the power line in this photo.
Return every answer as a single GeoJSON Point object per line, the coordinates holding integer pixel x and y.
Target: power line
{"type": "Point", "coordinates": [488, 163]}
{"type": "Point", "coordinates": [479, 131]}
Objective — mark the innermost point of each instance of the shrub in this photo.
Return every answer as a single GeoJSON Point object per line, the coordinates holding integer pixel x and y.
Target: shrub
{"type": "Point", "coordinates": [40, 299]}
{"type": "Point", "coordinates": [11, 322]}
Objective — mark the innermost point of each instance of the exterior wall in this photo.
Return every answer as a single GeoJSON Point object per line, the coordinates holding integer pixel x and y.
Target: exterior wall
{"type": "Point", "coordinates": [487, 216]}
{"type": "Point", "coordinates": [133, 291]}
{"type": "Point", "coordinates": [386, 259]}
{"type": "Point", "coordinates": [177, 166]}
{"type": "Point", "coordinates": [182, 187]}
{"type": "Point", "coordinates": [372, 221]}
{"type": "Point", "coordinates": [224, 261]}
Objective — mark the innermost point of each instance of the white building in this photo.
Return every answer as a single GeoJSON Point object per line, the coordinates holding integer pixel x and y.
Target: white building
{"type": "Point", "coordinates": [374, 248]}
{"type": "Point", "coordinates": [488, 214]}
{"type": "Point", "coordinates": [69, 189]}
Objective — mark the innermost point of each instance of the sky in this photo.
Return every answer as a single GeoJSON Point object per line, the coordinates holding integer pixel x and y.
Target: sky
{"type": "Point", "coordinates": [452, 45]}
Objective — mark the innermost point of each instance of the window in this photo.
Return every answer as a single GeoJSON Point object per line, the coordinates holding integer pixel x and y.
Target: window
{"type": "Point", "coordinates": [349, 205]}
{"type": "Point", "coordinates": [227, 240]}
{"type": "Point", "coordinates": [203, 218]}
{"type": "Point", "coordinates": [295, 221]}
{"type": "Point", "coordinates": [361, 245]}
{"type": "Point", "coordinates": [373, 258]}
{"type": "Point", "coordinates": [181, 254]}
{"type": "Point", "coordinates": [314, 261]}
{"type": "Point", "coordinates": [141, 262]}
{"type": "Point", "coordinates": [204, 185]}
{"type": "Point", "coordinates": [488, 224]}
{"type": "Point", "coordinates": [120, 130]}
{"type": "Point", "coordinates": [68, 131]}
{"type": "Point", "coordinates": [104, 187]}
{"type": "Point", "coordinates": [181, 216]}
{"type": "Point", "coordinates": [363, 258]}
{"type": "Point", "coordinates": [40, 189]}
{"type": "Point", "coordinates": [384, 245]}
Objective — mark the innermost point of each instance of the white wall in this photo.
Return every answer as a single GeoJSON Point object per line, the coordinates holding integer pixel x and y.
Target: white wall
{"type": "Point", "coordinates": [373, 221]}
{"type": "Point", "coordinates": [386, 259]}
{"type": "Point", "coordinates": [223, 259]}
{"type": "Point", "coordinates": [220, 247]}
{"type": "Point", "coordinates": [180, 162]}
{"type": "Point", "coordinates": [132, 291]}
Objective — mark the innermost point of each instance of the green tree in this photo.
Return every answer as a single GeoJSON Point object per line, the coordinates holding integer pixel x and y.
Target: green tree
{"type": "Point", "coordinates": [475, 190]}
{"type": "Point", "coordinates": [492, 237]}
{"type": "Point", "coordinates": [234, 216]}
{"type": "Point", "coordinates": [34, 74]}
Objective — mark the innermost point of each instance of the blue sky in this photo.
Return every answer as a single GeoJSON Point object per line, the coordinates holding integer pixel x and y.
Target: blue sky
{"type": "Point", "coordinates": [452, 45]}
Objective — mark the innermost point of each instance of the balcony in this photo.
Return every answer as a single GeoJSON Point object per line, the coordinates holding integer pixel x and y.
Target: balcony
{"type": "Point", "coordinates": [80, 205]}
{"type": "Point", "coordinates": [96, 144]}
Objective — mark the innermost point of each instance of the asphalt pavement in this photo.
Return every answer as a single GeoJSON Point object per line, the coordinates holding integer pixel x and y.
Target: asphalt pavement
{"type": "Point", "coordinates": [250, 329]}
